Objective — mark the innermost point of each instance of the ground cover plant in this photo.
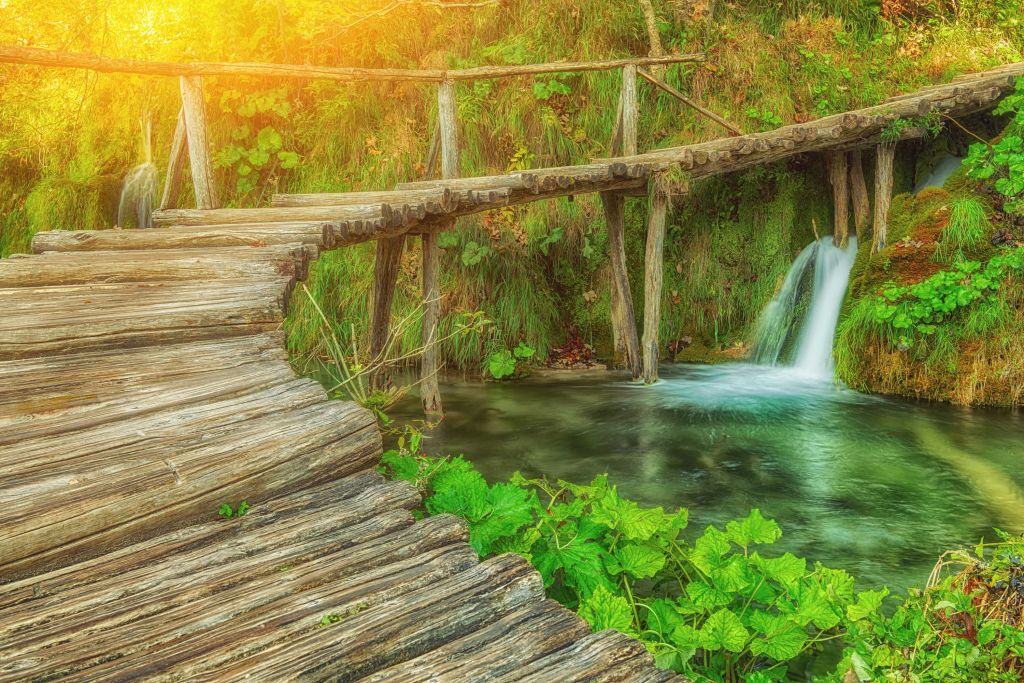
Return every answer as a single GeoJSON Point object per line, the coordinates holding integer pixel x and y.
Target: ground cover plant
{"type": "Point", "coordinates": [718, 604]}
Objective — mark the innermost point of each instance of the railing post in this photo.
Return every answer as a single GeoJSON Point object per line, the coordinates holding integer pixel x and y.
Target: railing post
{"type": "Point", "coordinates": [629, 111]}
{"type": "Point", "coordinates": [448, 135]}
{"type": "Point", "coordinates": [838, 176]}
{"type": "Point", "coordinates": [623, 317]}
{"type": "Point", "coordinates": [653, 277]}
{"type": "Point", "coordinates": [883, 194]}
{"type": "Point", "coordinates": [193, 106]}
{"type": "Point", "coordinates": [175, 165]}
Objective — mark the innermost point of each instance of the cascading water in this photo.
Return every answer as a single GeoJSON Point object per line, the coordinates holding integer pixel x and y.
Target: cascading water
{"type": "Point", "coordinates": [831, 276]}
{"type": "Point", "coordinates": [138, 192]}
{"type": "Point", "coordinates": [821, 272]}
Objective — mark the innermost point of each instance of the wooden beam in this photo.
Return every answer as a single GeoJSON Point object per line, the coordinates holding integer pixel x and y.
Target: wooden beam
{"type": "Point", "coordinates": [883, 195]}
{"type": "Point", "coordinates": [193, 106]}
{"type": "Point", "coordinates": [623, 319]}
{"type": "Point", "coordinates": [449, 150]}
{"type": "Point", "coordinates": [386, 265]}
{"type": "Point", "coordinates": [689, 102]}
{"type": "Point", "coordinates": [838, 177]}
{"type": "Point", "coordinates": [629, 111]}
{"type": "Point", "coordinates": [653, 276]}
{"type": "Point", "coordinates": [859, 194]}
{"type": "Point", "coordinates": [175, 165]}
{"type": "Point", "coordinates": [10, 54]}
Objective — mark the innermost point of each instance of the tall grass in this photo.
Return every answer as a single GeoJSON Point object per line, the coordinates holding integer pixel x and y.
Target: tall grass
{"type": "Point", "coordinates": [967, 229]}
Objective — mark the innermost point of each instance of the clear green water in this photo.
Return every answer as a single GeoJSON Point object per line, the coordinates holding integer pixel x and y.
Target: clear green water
{"type": "Point", "coordinates": [872, 485]}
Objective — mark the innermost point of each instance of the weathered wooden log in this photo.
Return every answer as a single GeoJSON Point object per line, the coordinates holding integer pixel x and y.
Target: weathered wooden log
{"type": "Point", "coordinates": [443, 196]}
{"type": "Point", "coordinates": [185, 237]}
{"type": "Point", "coordinates": [217, 263]}
{"type": "Point", "coordinates": [596, 657]}
{"type": "Point", "coordinates": [623, 319]}
{"type": "Point", "coordinates": [421, 621]}
{"type": "Point", "coordinates": [83, 317]}
{"type": "Point", "coordinates": [193, 106]}
{"type": "Point", "coordinates": [883, 195]}
{"type": "Point", "coordinates": [386, 266]}
{"type": "Point", "coordinates": [175, 165]}
{"type": "Point", "coordinates": [838, 177]}
{"type": "Point", "coordinates": [131, 497]}
{"type": "Point", "coordinates": [859, 194]}
{"type": "Point", "coordinates": [296, 214]}
{"type": "Point", "coordinates": [512, 181]}
{"type": "Point", "coordinates": [653, 274]}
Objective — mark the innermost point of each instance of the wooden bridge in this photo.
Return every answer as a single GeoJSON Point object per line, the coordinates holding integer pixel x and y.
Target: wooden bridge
{"type": "Point", "coordinates": [144, 383]}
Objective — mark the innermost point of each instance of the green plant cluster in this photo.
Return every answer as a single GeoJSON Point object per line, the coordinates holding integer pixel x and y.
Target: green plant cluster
{"type": "Point", "coordinates": [227, 512]}
{"type": "Point", "coordinates": [931, 123]}
{"type": "Point", "coordinates": [1002, 162]}
{"type": "Point", "coordinates": [722, 608]}
{"type": "Point", "coordinates": [903, 310]}
{"type": "Point", "coordinates": [256, 150]}
{"type": "Point", "coordinates": [502, 364]}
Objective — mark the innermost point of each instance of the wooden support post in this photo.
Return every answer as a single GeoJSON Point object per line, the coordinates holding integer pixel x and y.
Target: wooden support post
{"type": "Point", "coordinates": [623, 318]}
{"type": "Point", "coordinates": [193, 106]}
{"type": "Point", "coordinates": [883, 195]}
{"type": "Point", "coordinates": [838, 176]}
{"type": "Point", "coordinates": [385, 274]}
{"type": "Point", "coordinates": [629, 110]}
{"type": "Point", "coordinates": [175, 165]}
{"type": "Point", "coordinates": [449, 147]}
{"type": "Point", "coordinates": [653, 276]}
{"type": "Point", "coordinates": [859, 195]}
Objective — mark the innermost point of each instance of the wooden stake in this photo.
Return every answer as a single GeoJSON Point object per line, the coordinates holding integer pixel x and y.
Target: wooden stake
{"type": "Point", "coordinates": [623, 319]}
{"type": "Point", "coordinates": [175, 165]}
{"type": "Point", "coordinates": [859, 194]}
{"type": "Point", "coordinates": [386, 264]}
{"type": "Point", "coordinates": [838, 176]}
{"type": "Point", "coordinates": [689, 102]}
{"type": "Point", "coordinates": [449, 148]}
{"type": "Point", "coordinates": [653, 276]}
{"type": "Point", "coordinates": [629, 110]}
{"type": "Point", "coordinates": [194, 108]}
{"type": "Point", "coordinates": [885, 155]}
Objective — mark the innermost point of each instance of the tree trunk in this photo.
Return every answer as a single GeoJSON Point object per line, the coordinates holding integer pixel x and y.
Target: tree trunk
{"type": "Point", "coordinates": [623, 318]}
{"type": "Point", "coordinates": [653, 37]}
{"type": "Point", "coordinates": [883, 195]}
{"type": "Point", "coordinates": [386, 264]}
{"type": "Point", "coordinates": [838, 176]}
{"type": "Point", "coordinates": [859, 194]}
{"type": "Point", "coordinates": [653, 275]}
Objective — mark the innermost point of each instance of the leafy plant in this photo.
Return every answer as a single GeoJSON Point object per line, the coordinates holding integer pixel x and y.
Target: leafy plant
{"type": "Point", "coordinates": [1003, 161]}
{"type": "Point", "coordinates": [227, 512]}
{"type": "Point", "coordinates": [931, 123]}
{"type": "Point", "coordinates": [501, 364]}
{"type": "Point", "coordinates": [256, 151]}
{"type": "Point", "coordinates": [901, 311]}
{"type": "Point", "coordinates": [473, 253]}
{"type": "Point", "coordinates": [769, 119]}
{"type": "Point", "coordinates": [718, 609]}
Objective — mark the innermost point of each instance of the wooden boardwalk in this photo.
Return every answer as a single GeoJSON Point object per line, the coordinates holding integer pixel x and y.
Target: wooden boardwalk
{"type": "Point", "coordinates": [145, 384]}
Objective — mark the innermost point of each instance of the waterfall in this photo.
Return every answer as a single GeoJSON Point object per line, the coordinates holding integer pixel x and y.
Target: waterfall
{"type": "Point", "coordinates": [776, 320]}
{"type": "Point", "coordinates": [821, 273]}
{"type": "Point", "coordinates": [831, 276]}
{"type": "Point", "coordinates": [138, 192]}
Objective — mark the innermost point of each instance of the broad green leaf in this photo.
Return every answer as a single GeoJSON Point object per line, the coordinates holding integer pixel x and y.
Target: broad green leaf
{"type": "Point", "coordinates": [639, 561]}
{"type": "Point", "coordinates": [707, 597]}
{"type": "Point", "coordinates": [754, 529]}
{"type": "Point", "coordinates": [868, 603]}
{"type": "Point", "coordinates": [603, 610]}
{"type": "Point", "coordinates": [661, 617]}
{"type": "Point", "coordinates": [268, 139]}
{"type": "Point", "coordinates": [709, 549]}
{"type": "Point", "coordinates": [781, 645]}
{"type": "Point", "coordinates": [723, 630]}
{"type": "Point", "coordinates": [687, 637]}
{"type": "Point", "coordinates": [509, 509]}
{"type": "Point", "coordinates": [787, 569]}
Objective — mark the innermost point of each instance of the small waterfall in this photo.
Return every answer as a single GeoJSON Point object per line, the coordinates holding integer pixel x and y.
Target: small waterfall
{"type": "Point", "coordinates": [822, 270]}
{"type": "Point", "coordinates": [138, 193]}
{"type": "Point", "coordinates": [776, 320]}
{"type": "Point", "coordinates": [831, 276]}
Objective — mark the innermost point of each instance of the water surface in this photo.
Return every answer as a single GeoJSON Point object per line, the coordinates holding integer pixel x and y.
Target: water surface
{"type": "Point", "coordinates": [872, 485]}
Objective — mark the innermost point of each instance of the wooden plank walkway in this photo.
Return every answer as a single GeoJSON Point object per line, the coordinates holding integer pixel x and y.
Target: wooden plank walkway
{"type": "Point", "coordinates": [143, 382]}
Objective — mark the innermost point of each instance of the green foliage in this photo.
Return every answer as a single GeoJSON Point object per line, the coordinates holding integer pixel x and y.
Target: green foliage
{"type": "Point", "coordinates": [766, 118]}
{"type": "Point", "coordinates": [900, 311]}
{"type": "Point", "coordinates": [502, 364]}
{"type": "Point", "coordinates": [474, 253]}
{"type": "Point", "coordinates": [931, 123]}
{"type": "Point", "coordinates": [255, 154]}
{"type": "Point", "coordinates": [228, 512]}
{"type": "Point", "coordinates": [963, 628]}
{"type": "Point", "coordinates": [1002, 163]}
{"type": "Point", "coordinates": [718, 609]}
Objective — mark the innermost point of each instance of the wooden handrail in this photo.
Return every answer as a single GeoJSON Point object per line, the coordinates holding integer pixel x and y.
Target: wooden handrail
{"type": "Point", "coordinates": [36, 56]}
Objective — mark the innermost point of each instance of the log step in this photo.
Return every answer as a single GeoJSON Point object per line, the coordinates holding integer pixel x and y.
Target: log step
{"type": "Point", "coordinates": [182, 237]}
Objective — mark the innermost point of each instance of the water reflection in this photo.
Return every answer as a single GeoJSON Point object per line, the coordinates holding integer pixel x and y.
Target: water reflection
{"type": "Point", "coordinates": [872, 485]}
